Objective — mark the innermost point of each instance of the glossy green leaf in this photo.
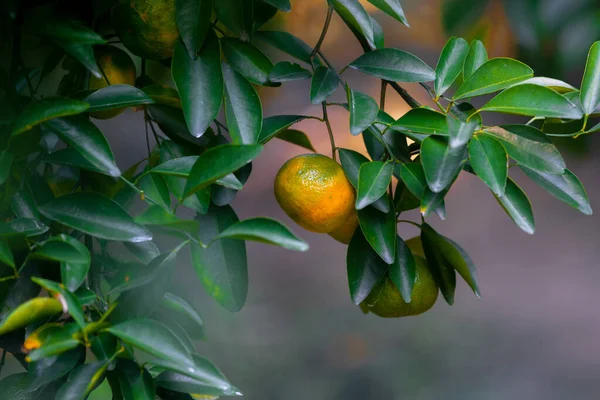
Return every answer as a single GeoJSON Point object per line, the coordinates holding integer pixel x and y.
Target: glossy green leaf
{"type": "Point", "coordinates": [243, 110]}
{"type": "Point", "coordinates": [74, 257]}
{"type": "Point", "coordinates": [273, 125]}
{"type": "Point", "coordinates": [442, 270]}
{"type": "Point", "coordinates": [41, 111]}
{"type": "Point", "coordinates": [282, 5]}
{"type": "Point", "coordinates": [489, 160]}
{"type": "Point", "coordinates": [373, 180]}
{"type": "Point", "coordinates": [413, 176]}
{"type": "Point", "coordinates": [356, 17]}
{"type": "Point", "coordinates": [247, 60]}
{"type": "Point", "coordinates": [351, 163]}
{"type": "Point", "coordinates": [286, 71]}
{"type": "Point", "coordinates": [265, 230]}
{"type": "Point", "coordinates": [6, 159]}
{"type": "Point", "coordinates": [23, 205]}
{"type": "Point", "coordinates": [554, 84]}
{"type": "Point", "coordinates": [590, 85]}
{"type": "Point", "coordinates": [418, 123]}
{"type": "Point", "coordinates": [82, 381]}
{"type": "Point", "coordinates": [566, 188]}
{"type": "Point", "coordinates": [450, 64]}
{"type": "Point", "coordinates": [296, 137]}
{"type": "Point", "coordinates": [364, 267]}
{"type": "Point", "coordinates": [392, 8]}
{"type": "Point", "coordinates": [143, 251]}
{"type": "Point", "coordinates": [68, 299]}
{"type": "Point", "coordinates": [394, 65]}
{"type": "Point", "coordinates": [496, 74]}
{"type": "Point", "coordinates": [323, 84]}
{"type": "Point", "coordinates": [53, 339]}
{"type": "Point", "coordinates": [28, 226]}
{"type": "Point", "coordinates": [207, 381]}
{"type": "Point", "coordinates": [52, 368]}
{"type": "Point", "coordinates": [155, 187]}
{"type": "Point", "coordinates": [222, 266]}
{"type": "Point", "coordinates": [517, 206]}
{"type": "Point", "coordinates": [287, 43]}
{"type": "Point", "coordinates": [236, 15]}
{"type": "Point", "coordinates": [88, 140]}
{"type": "Point", "coordinates": [95, 215]}
{"type": "Point", "coordinates": [533, 101]}
{"type": "Point", "coordinates": [529, 147]}
{"type": "Point", "coordinates": [199, 83]}
{"type": "Point", "coordinates": [217, 162]}
{"type": "Point", "coordinates": [29, 312]}
{"type": "Point", "coordinates": [116, 96]}
{"type": "Point", "coordinates": [476, 57]}
{"type": "Point", "coordinates": [178, 167]}
{"type": "Point", "coordinates": [403, 271]}
{"type": "Point", "coordinates": [154, 338]}
{"type": "Point", "coordinates": [164, 95]}
{"type": "Point", "coordinates": [363, 110]}
{"type": "Point", "coordinates": [459, 132]}
{"type": "Point", "coordinates": [182, 307]}
{"type": "Point", "coordinates": [380, 231]}
{"type": "Point", "coordinates": [193, 22]}
{"type": "Point", "coordinates": [135, 382]}
{"type": "Point", "coordinates": [6, 255]}
{"type": "Point", "coordinates": [71, 158]}
{"type": "Point", "coordinates": [441, 162]}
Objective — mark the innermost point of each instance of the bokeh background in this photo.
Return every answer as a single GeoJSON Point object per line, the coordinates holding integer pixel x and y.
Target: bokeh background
{"type": "Point", "coordinates": [534, 335]}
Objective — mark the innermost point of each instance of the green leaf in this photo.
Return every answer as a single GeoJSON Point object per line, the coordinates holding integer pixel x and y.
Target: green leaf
{"type": "Point", "coordinates": [247, 60]}
{"type": "Point", "coordinates": [52, 368]}
{"type": "Point", "coordinates": [155, 187]}
{"type": "Point", "coordinates": [273, 125]}
{"type": "Point", "coordinates": [529, 147]}
{"type": "Point", "coordinates": [84, 53]}
{"type": "Point", "coordinates": [135, 381]}
{"type": "Point", "coordinates": [459, 132]}
{"type": "Point", "coordinates": [208, 380]}
{"type": "Point", "coordinates": [236, 15]}
{"type": "Point", "coordinates": [441, 162]}
{"type": "Point", "coordinates": [264, 230]}
{"type": "Point", "coordinates": [44, 110]}
{"type": "Point", "coordinates": [82, 380]}
{"type": "Point", "coordinates": [154, 338]}
{"type": "Point", "coordinates": [199, 83]}
{"type": "Point", "coordinates": [179, 167]}
{"type": "Point", "coordinates": [116, 96]}
{"type": "Point", "coordinates": [433, 202]}
{"type": "Point", "coordinates": [403, 271]}
{"type": "Point", "coordinates": [356, 17]}
{"type": "Point", "coordinates": [74, 257]}
{"type": "Point", "coordinates": [489, 160]}
{"type": "Point", "coordinates": [6, 159]}
{"type": "Point", "coordinates": [380, 231]}
{"type": "Point", "coordinates": [286, 71]}
{"type": "Point", "coordinates": [418, 123]}
{"type": "Point", "coordinates": [193, 22]}
{"type": "Point", "coordinates": [179, 305]}
{"type": "Point", "coordinates": [590, 85]}
{"type": "Point", "coordinates": [392, 8]}
{"type": "Point", "coordinates": [296, 137]}
{"type": "Point", "coordinates": [164, 95]}
{"type": "Point", "coordinates": [54, 340]}
{"type": "Point", "coordinates": [71, 158]}
{"type": "Point", "coordinates": [450, 64]}
{"type": "Point", "coordinates": [442, 270]}
{"type": "Point", "coordinates": [6, 255]}
{"type": "Point", "coordinates": [351, 163]}
{"type": "Point", "coordinates": [143, 251]}
{"type": "Point", "coordinates": [323, 84]}
{"type": "Point", "coordinates": [217, 162]}
{"type": "Point", "coordinates": [373, 180]}
{"type": "Point", "coordinates": [23, 205]}
{"type": "Point", "coordinates": [29, 312]}
{"type": "Point", "coordinates": [394, 65]}
{"type": "Point", "coordinates": [533, 101]}
{"type": "Point", "coordinates": [566, 188]}
{"type": "Point", "coordinates": [287, 43]}
{"type": "Point", "coordinates": [365, 268]}
{"type": "Point", "coordinates": [517, 206]}
{"type": "Point", "coordinates": [70, 301]}
{"type": "Point", "coordinates": [88, 140]}
{"type": "Point", "coordinates": [243, 110]}
{"type": "Point", "coordinates": [222, 266]}
{"type": "Point", "coordinates": [96, 215]}
{"type": "Point", "coordinates": [363, 110]}
{"type": "Point", "coordinates": [554, 84]}
{"type": "Point", "coordinates": [496, 74]}
{"type": "Point", "coordinates": [27, 226]}
{"type": "Point", "coordinates": [282, 5]}
{"type": "Point", "coordinates": [476, 57]}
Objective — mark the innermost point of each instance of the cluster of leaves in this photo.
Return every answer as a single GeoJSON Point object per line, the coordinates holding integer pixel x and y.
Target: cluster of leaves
{"type": "Point", "coordinates": [78, 270]}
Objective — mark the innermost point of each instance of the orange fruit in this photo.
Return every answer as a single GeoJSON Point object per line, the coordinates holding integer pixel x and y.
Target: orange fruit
{"type": "Point", "coordinates": [344, 233]}
{"type": "Point", "coordinates": [148, 28]}
{"type": "Point", "coordinates": [386, 301]}
{"type": "Point", "coordinates": [118, 68]}
{"type": "Point", "coordinates": [313, 191]}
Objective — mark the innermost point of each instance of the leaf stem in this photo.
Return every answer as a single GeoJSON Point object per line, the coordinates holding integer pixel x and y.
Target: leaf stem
{"type": "Point", "coordinates": [329, 130]}
{"type": "Point", "coordinates": [323, 33]}
{"type": "Point", "coordinates": [411, 101]}
{"type": "Point", "coordinates": [143, 196]}
{"type": "Point", "coordinates": [382, 96]}
{"type": "Point", "coordinates": [409, 222]}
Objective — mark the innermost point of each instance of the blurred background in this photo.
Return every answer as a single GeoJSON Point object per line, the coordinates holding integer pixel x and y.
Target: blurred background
{"type": "Point", "coordinates": [534, 335]}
